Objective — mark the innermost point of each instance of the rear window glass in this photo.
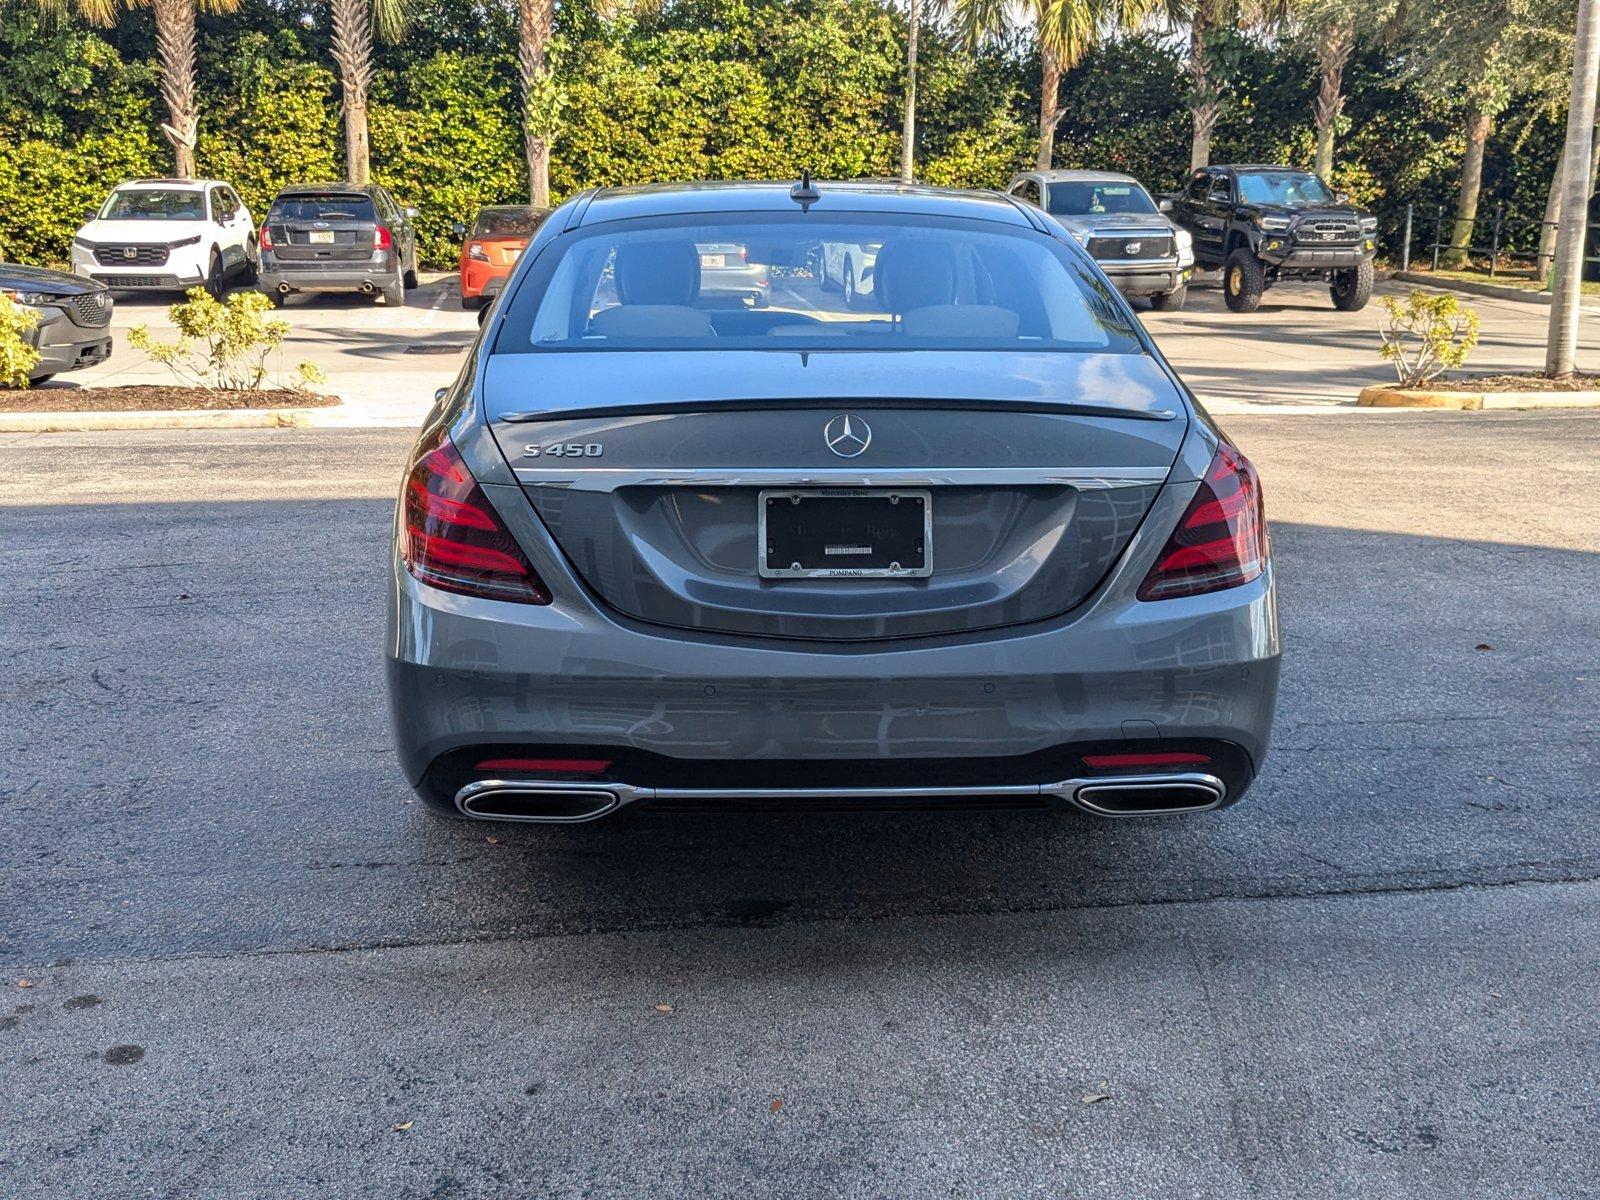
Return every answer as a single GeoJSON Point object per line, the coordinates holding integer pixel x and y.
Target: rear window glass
{"type": "Point", "coordinates": [155, 204]}
{"type": "Point", "coordinates": [332, 207]}
{"type": "Point", "coordinates": [802, 281]}
{"type": "Point", "coordinates": [508, 222]}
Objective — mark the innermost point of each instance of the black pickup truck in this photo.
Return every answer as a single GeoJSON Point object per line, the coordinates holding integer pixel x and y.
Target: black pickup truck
{"type": "Point", "coordinates": [1260, 224]}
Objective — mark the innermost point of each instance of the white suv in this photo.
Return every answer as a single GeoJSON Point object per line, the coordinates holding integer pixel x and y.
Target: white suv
{"type": "Point", "coordinates": [167, 234]}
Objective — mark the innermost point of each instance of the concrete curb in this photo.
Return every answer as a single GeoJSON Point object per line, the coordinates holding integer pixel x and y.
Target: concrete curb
{"type": "Point", "coordinates": [89, 422]}
{"type": "Point", "coordinates": [1393, 397]}
{"type": "Point", "coordinates": [1472, 288]}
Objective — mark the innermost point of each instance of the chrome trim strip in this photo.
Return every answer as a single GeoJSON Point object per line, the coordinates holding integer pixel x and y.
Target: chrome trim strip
{"type": "Point", "coordinates": [608, 479]}
{"type": "Point", "coordinates": [1070, 791]}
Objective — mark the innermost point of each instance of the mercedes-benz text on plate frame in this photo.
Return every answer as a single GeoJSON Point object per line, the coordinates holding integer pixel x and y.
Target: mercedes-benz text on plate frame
{"type": "Point", "coordinates": [850, 497]}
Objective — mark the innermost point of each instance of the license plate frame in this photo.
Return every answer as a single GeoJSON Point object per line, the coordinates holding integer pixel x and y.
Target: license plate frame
{"type": "Point", "coordinates": [811, 564]}
{"type": "Point", "coordinates": [713, 262]}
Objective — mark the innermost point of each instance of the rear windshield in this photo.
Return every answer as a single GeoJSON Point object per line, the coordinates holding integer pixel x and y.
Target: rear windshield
{"type": "Point", "coordinates": [508, 222]}
{"type": "Point", "coordinates": [155, 204]}
{"type": "Point", "coordinates": [802, 281]}
{"type": "Point", "coordinates": [332, 207]}
{"type": "Point", "coordinates": [1093, 199]}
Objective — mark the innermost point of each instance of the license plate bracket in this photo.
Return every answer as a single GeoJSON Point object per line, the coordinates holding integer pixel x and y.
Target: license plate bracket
{"type": "Point", "coordinates": [845, 533]}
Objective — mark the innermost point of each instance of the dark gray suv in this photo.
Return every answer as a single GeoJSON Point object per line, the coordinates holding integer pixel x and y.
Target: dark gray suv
{"type": "Point", "coordinates": [339, 237]}
{"type": "Point", "coordinates": [73, 316]}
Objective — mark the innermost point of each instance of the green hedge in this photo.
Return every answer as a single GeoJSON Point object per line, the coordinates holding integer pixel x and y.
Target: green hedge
{"type": "Point", "coordinates": [691, 90]}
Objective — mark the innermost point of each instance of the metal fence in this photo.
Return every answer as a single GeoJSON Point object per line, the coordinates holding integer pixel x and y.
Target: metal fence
{"type": "Point", "coordinates": [1506, 245]}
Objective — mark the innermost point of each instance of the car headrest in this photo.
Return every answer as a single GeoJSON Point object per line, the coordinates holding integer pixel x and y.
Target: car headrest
{"type": "Point", "coordinates": [914, 275]}
{"type": "Point", "coordinates": [657, 273]}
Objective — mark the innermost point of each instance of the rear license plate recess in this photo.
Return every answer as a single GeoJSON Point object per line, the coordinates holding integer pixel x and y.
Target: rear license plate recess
{"type": "Point", "coordinates": [845, 533]}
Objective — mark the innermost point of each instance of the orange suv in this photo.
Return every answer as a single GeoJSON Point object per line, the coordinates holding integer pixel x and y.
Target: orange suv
{"type": "Point", "coordinates": [499, 235]}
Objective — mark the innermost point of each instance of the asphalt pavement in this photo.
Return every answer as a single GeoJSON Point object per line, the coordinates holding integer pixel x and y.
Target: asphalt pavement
{"type": "Point", "coordinates": [239, 960]}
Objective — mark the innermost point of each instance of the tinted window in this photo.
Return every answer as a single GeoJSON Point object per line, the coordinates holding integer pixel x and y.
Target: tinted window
{"type": "Point", "coordinates": [334, 206]}
{"type": "Point", "coordinates": [1199, 186]}
{"type": "Point", "coordinates": [155, 204]}
{"type": "Point", "coordinates": [1086, 199]}
{"type": "Point", "coordinates": [695, 283]}
{"type": "Point", "coordinates": [1219, 188]}
{"type": "Point", "coordinates": [508, 222]}
{"type": "Point", "coordinates": [1028, 190]}
{"type": "Point", "coordinates": [1283, 187]}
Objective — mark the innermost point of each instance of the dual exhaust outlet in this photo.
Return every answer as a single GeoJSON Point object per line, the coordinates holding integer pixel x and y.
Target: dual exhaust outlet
{"type": "Point", "coordinates": [553, 803]}
{"type": "Point", "coordinates": [366, 289]}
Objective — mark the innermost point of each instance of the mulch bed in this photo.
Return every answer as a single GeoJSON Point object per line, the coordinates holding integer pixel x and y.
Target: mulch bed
{"type": "Point", "coordinates": [1517, 383]}
{"type": "Point", "coordinates": [151, 397]}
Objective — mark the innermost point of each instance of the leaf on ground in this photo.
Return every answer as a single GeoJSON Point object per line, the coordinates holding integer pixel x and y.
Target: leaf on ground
{"type": "Point", "coordinates": [24, 983]}
{"type": "Point", "coordinates": [1096, 1097]}
{"type": "Point", "coordinates": [663, 1008]}
{"type": "Point", "coordinates": [403, 1126]}
{"type": "Point", "coordinates": [776, 1105]}
{"type": "Point", "coordinates": [1484, 646]}
{"type": "Point", "coordinates": [493, 841]}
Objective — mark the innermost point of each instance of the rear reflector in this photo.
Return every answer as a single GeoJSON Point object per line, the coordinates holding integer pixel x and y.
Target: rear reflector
{"type": "Point", "coordinates": [452, 538]}
{"type": "Point", "coordinates": [584, 766]}
{"type": "Point", "coordinates": [1162, 758]}
{"type": "Point", "coordinates": [1221, 541]}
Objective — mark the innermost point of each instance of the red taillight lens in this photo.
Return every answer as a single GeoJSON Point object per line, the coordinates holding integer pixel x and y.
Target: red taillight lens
{"type": "Point", "coordinates": [382, 239]}
{"type": "Point", "coordinates": [450, 536]}
{"type": "Point", "coordinates": [572, 766]}
{"type": "Point", "coordinates": [1221, 541]}
{"type": "Point", "coordinates": [1158, 758]}
{"type": "Point", "coordinates": [264, 240]}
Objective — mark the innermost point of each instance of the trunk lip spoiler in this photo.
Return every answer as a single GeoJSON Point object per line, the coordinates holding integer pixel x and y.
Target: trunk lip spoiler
{"type": "Point", "coordinates": [607, 479]}
{"type": "Point", "coordinates": [1072, 408]}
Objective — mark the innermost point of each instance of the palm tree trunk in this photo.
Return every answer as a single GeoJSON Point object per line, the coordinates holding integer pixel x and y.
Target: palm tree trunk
{"type": "Point", "coordinates": [1479, 126]}
{"type": "Point", "coordinates": [352, 53]}
{"type": "Point", "coordinates": [1050, 111]}
{"type": "Point", "coordinates": [1204, 102]}
{"type": "Point", "coordinates": [535, 19]}
{"type": "Point", "coordinates": [175, 48]}
{"type": "Point", "coordinates": [908, 132]}
{"type": "Point", "coordinates": [1333, 52]}
{"type": "Point", "coordinates": [1561, 345]}
{"type": "Point", "coordinates": [1552, 205]}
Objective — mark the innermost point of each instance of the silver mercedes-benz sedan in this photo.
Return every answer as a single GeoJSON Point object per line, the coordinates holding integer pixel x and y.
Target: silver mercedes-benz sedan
{"type": "Point", "coordinates": [974, 544]}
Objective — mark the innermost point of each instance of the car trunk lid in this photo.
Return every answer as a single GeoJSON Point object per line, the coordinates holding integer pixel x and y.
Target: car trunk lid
{"type": "Point", "coordinates": [330, 227]}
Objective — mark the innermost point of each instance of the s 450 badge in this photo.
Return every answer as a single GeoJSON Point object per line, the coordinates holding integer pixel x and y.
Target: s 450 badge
{"type": "Point", "coordinates": [566, 450]}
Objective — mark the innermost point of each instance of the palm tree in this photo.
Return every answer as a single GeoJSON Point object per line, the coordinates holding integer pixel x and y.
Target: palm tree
{"type": "Point", "coordinates": [535, 21]}
{"type": "Point", "coordinates": [175, 54]}
{"type": "Point", "coordinates": [1561, 345]}
{"type": "Point", "coordinates": [1064, 30]}
{"type": "Point", "coordinates": [353, 24]}
{"type": "Point", "coordinates": [908, 132]}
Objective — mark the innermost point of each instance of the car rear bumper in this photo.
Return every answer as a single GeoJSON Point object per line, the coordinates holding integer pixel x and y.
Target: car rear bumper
{"type": "Point", "coordinates": [467, 673]}
{"type": "Point", "coordinates": [276, 275]}
{"type": "Point", "coordinates": [64, 345]}
{"type": "Point", "coordinates": [483, 280]}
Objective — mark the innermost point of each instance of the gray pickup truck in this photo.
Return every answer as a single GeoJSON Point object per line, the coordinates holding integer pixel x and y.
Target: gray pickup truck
{"type": "Point", "coordinates": [1123, 229]}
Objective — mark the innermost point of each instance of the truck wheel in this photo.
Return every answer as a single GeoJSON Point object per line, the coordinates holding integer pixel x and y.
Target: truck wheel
{"type": "Point", "coordinates": [1243, 281]}
{"type": "Point", "coordinates": [1353, 288]}
{"type": "Point", "coordinates": [1170, 301]}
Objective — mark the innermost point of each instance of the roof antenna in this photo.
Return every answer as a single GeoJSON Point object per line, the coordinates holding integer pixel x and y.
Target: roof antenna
{"type": "Point", "coordinates": [805, 192]}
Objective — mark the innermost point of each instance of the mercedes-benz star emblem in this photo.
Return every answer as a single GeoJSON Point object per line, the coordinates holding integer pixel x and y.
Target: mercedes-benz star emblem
{"type": "Point", "coordinates": [1131, 247]}
{"type": "Point", "coordinates": [847, 435]}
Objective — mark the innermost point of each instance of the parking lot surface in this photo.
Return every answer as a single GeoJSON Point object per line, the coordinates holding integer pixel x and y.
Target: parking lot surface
{"type": "Point", "coordinates": [254, 966]}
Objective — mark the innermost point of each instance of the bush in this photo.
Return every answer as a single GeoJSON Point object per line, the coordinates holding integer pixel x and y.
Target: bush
{"type": "Point", "coordinates": [17, 355]}
{"type": "Point", "coordinates": [235, 339]}
{"type": "Point", "coordinates": [1426, 334]}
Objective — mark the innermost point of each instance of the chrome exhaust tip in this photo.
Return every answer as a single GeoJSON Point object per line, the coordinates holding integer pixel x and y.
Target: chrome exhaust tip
{"type": "Point", "coordinates": [540, 803]}
{"type": "Point", "coordinates": [283, 289]}
{"type": "Point", "coordinates": [1150, 795]}
{"type": "Point", "coordinates": [367, 289]}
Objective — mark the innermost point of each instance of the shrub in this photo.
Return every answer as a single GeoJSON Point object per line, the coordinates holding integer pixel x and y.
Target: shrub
{"type": "Point", "coordinates": [1426, 334]}
{"type": "Point", "coordinates": [234, 341]}
{"type": "Point", "coordinates": [17, 355]}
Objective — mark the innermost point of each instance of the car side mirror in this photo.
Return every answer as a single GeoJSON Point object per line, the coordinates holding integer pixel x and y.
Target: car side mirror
{"type": "Point", "coordinates": [1164, 204]}
{"type": "Point", "coordinates": [440, 394]}
{"type": "Point", "coordinates": [1341, 197]}
{"type": "Point", "coordinates": [90, 215]}
{"type": "Point", "coordinates": [411, 213]}
{"type": "Point", "coordinates": [459, 229]}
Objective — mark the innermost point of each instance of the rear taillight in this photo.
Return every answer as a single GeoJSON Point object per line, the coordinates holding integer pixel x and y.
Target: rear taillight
{"type": "Point", "coordinates": [382, 239]}
{"type": "Point", "coordinates": [265, 238]}
{"type": "Point", "coordinates": [452, 538]}
{"type": "Point", "coordinates": [1221, 541]}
